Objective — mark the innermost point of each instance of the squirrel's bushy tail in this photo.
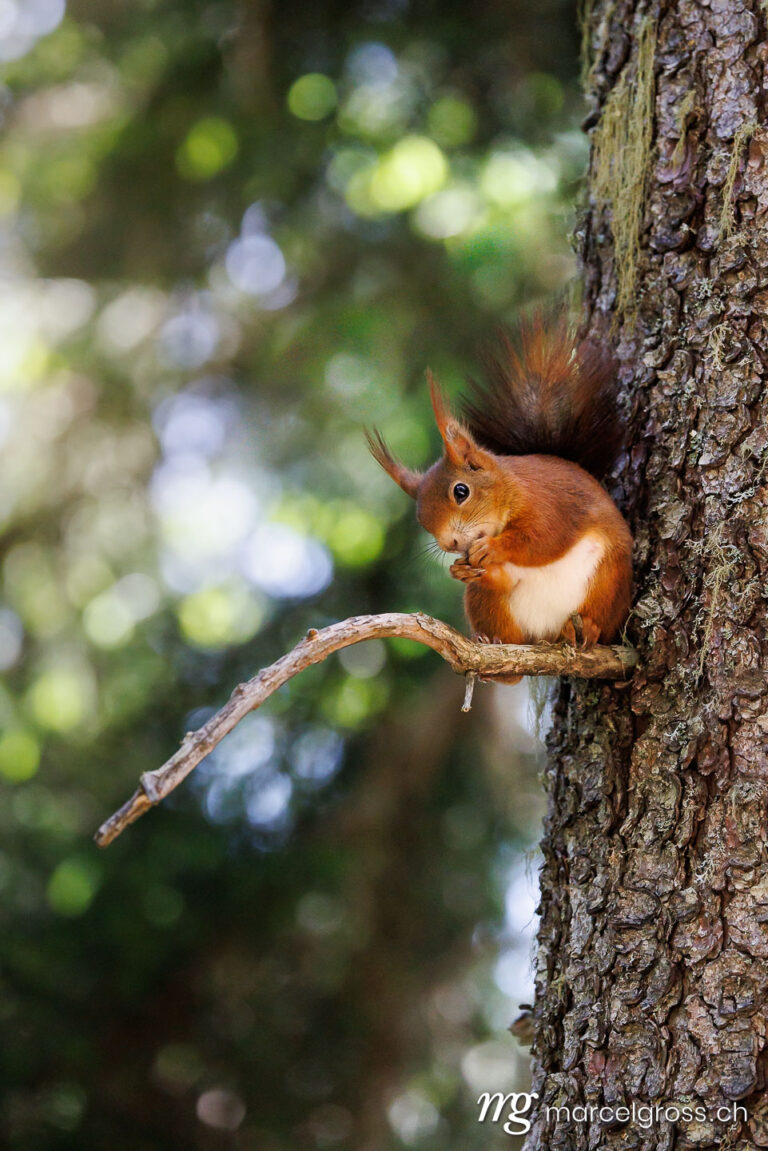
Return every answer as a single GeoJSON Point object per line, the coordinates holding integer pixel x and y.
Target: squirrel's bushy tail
{"type": "Point", "coordinates": [549, 394]}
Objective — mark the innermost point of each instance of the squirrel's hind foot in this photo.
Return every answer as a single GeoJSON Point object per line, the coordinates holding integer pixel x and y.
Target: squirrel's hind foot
{"type": "Point", "coordinates": [580, 631]}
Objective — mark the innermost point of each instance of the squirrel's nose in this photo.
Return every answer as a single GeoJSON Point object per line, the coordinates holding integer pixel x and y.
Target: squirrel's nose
{"type": "Point", "coordinates": [454, 545]}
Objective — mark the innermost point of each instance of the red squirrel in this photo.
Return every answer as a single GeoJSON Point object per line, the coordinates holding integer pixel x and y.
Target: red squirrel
{"type": "Point", "coordinates": [544, 552]}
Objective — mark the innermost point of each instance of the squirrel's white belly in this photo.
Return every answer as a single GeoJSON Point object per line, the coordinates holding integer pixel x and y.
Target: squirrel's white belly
{"type": "Point", "coordinates": [544, 597]}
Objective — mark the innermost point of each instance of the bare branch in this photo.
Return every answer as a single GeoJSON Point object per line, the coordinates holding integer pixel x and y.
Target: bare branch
{"type": "Point", "coordinates": [472, 659]}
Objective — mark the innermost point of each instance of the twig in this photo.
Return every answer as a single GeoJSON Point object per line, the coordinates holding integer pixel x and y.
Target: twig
{"type": "Point", "coordinates": [469, 691]}
{"type": "Point", "coordinates": [464, 656]}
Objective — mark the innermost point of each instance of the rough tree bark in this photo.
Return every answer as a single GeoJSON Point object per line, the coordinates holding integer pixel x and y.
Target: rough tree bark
{"type": "Point", "coordinates": [653, 950]}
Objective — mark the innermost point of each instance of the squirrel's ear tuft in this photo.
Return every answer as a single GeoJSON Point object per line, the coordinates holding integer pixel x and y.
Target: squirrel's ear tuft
{"type": "Point", "coordinates": [443, 417]}
{"type": "Point", "coordinates": [461, 449]}
{"type": "Point", "coordinates": [405, 478]}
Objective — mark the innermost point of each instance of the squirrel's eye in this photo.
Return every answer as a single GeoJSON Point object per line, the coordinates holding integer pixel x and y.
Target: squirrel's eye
{"type": "Point", "coordinates": [460, 493]}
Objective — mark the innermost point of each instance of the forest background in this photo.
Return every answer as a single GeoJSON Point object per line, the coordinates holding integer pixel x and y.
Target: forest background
{"type": "Point", "coordinates": [232, 236]}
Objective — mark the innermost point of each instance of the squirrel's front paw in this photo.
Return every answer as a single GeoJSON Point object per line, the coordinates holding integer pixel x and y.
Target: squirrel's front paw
{"type": "Point", "coordinates": [485, 551]}
{"type": "Point", "coordinates": [463, 570]}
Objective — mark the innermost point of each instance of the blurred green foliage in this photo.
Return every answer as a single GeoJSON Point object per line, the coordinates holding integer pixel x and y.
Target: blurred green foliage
{"type": "Point", "coordinates": [233, 234]}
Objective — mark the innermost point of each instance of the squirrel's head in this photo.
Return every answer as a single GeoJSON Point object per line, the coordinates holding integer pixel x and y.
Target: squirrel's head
{"type": "Point", "coordinates": [461, 497]}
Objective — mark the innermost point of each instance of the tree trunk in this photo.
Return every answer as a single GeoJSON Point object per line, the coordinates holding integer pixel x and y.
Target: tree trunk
{"type": "Point", "coordinates": [653, 959]}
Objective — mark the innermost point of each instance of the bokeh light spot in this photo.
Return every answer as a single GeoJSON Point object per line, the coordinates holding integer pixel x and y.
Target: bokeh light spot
{"type": "Point", "coordinates": [412, 170]}
{"type": "Point", "coordinates": [267, 803]}
{"type": "Point", "coordinates": [452, 122]}
{"type": "Point", "coordinates": [312, 97]}
{"type": "Point", "coordinates": [201, 516]}
{"type": "Point", "coordinates": [221, 1109]}
{"type": "Point", "coordinates": [209, 147]}
{"type": "Point", "coordinates": [218, 616]}
{"type": "Point", "coordinates": [33, 589]}
{"type": "Point", "coordinates": [19, 755]}
{"type": "Point", "coordinates": [178, 1066]}
{"type": "Point", "coordinates": [413, 1117]}
{"type": "Point", "coordinates": [108, 621]}
{"type": "Point", "coordinates": [72, 887]}
{"type": "Point", "coordinates": [372, 63]}
{"type": "Point", "coordinates": [357, 537]}
{"type": "Point", "coordinates": [130, 318]}
{"type": "Point", "coordinates": [490, 1066]}
{"type": "Point", "coordinates": [64, 306]}
{"type": "Point", "coordinates": [255, 264]}
{"type": "Point", "coordinates": [511, 178]}
{"type": "Point", "coordinates": [449, 212]}
{"type": "Point", "coordinates": [408, 648]}
{"type": "Point", "coordinates": [320, 914]}
{"type": "Point", "coordinates": [191, 337]}
{"type": "Point", "coordinates": [59, 698]}
{"type": "Point", "coordinates": [316, 756]}
{"type": "Point", "coordinates": [22, 22]}
{"type": "Point", "coordinates": [364, 660]}
{"type": "Point", "coordinates": [355, 701]}
{"type": "Point", "coordinates": [285, 564]}
{"type": "Point", "coordinates": [246, 750]}
{"type": "Point", "coordinates": [197, 424]}
{"type": "Point", "coordinates": [63, 1105]}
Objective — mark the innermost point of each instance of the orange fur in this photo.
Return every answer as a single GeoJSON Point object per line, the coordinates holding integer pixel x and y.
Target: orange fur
{"type": "Point", "coordinates": [539, 539]}
{"type": "Point", "coordinates": [485, 606]}
{"type": "Point", "coordinates": [557, 505]}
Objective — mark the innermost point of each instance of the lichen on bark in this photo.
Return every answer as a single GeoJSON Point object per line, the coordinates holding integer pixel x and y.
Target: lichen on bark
{"type": "Point", "coordinates": [653, 953]}
{"type": "Point", "coordinates": [621, 160]}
